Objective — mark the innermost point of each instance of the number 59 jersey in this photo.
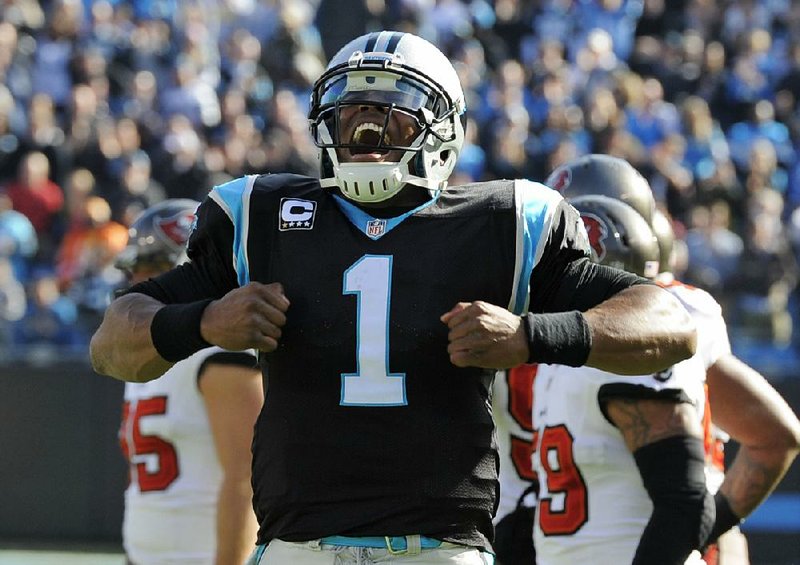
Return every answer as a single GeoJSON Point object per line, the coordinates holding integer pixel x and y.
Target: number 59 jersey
{"type": "Point", "coordinates": [592, 504]}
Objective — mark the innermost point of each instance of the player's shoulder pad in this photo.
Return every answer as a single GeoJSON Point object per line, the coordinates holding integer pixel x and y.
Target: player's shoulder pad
{"type": "Point", "coordinates": [475, 198]}
{"type": "Point", "coordinates": [236, 196]}
{"type": "Point", "coordinates": [697, 301]}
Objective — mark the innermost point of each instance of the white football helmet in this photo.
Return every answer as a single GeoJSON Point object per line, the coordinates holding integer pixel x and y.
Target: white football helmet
{"type": "Point", "coordinates": [397, 72]}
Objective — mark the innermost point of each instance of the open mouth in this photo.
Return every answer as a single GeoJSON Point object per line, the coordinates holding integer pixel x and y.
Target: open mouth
{"type": "Point", "coordinates": [367, 138]}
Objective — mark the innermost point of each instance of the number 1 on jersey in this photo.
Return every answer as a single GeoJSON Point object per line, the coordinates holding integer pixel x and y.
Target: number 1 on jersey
{"type": "Point", "coordinates": [370, 280]}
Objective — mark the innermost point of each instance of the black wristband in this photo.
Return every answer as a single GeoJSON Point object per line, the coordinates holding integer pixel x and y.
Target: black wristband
{"type": "Point", "coordinates": [175, 330]}
{"type": "Point", "coordinates": [725, 520]}
{"type": "Point", "coordinates": [560, 338]}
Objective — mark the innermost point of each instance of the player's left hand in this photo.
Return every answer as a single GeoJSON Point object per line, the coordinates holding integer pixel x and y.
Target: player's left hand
{"type": "Point", "coordinates": [485, 335]}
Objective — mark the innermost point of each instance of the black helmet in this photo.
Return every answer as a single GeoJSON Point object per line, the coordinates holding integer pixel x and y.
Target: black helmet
{"type": "Point", "coordinates": [606, 175]}
{"type": "Point", "coordinates": [158, 236]}
{"type": "Point", "coordinates": [618, 235]}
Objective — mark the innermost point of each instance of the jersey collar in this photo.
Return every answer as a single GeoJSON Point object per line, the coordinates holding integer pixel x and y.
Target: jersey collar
{"type": "Point", "coordinates": [375, 228]}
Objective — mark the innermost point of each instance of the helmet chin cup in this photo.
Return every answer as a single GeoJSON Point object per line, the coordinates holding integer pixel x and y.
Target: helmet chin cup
{"type": "Point", "coordinates": [369, 183]}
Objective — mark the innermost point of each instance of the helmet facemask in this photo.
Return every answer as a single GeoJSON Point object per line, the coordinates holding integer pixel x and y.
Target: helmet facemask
{"type": "Point", "coordinates": [411, 131]}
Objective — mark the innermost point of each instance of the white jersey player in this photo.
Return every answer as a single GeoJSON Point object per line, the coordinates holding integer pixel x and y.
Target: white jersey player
{"type": "Point", "coordinates": [620, 459]}
{"type": "Point", "coordinates": [187, 435]}
{"type": "Point", "coordinates": [175, 473]}
{"type": "Point", "coordinates": [738, 399]}
{"type": "Point", "coordinates": [593, 506]}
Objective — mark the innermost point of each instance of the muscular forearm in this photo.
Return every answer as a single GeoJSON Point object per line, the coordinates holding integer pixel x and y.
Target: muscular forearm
{"type": "Point", "coordinates": [747, 407]}
{"type": "Point", "coordinates": [753, 475]}
{"type": "Point", "coordinates": [642, 329]}
{"type": "Point", "coordinates": [122, 347]}
{"type": "Point", "coordinates": [236, 523]}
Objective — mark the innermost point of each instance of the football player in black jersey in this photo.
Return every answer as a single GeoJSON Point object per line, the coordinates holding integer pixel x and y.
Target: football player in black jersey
{"type": "Point", "coordinates": [380, 299]}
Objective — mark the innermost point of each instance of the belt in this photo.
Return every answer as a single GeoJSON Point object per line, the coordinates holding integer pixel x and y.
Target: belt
{"type": "Point", "coordinates": [394, 544]}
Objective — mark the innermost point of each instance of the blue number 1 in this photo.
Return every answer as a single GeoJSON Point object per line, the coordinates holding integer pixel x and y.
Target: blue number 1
{"type": "Point", "coordinates": [370, 279]}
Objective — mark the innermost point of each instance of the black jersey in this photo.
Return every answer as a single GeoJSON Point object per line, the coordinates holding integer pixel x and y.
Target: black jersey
{"type": "Point", "coordinates": [367, 428]}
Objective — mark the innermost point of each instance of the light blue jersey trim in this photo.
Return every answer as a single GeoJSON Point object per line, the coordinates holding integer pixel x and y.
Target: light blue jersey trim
{"type": "Point", "coordinates": [361, 219]}
{"type": "Point", "coordinates": [535, 204]}
{"type": "Point", "coordinates": [234, 199]}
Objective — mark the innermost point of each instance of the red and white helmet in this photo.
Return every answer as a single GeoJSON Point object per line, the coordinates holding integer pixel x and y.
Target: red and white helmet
{"type": "Point", "coordinates": [158, 236]}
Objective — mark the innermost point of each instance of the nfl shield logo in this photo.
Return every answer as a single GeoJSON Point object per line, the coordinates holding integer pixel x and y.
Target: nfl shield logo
{"type": "Point", "coordinates": [375, 228]}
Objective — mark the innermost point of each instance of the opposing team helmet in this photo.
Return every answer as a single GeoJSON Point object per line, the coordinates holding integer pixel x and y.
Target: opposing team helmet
{"type": "Point", "coordinates": [603, 174]}
{"type": "Point", "coordinates": [618, 235]}
{"type": "Point", "coordinates": [397, 72]}
{"type": "Point", "coordinates": [158, 236]}
{"type": "Point", "coordinates": [665, 235]}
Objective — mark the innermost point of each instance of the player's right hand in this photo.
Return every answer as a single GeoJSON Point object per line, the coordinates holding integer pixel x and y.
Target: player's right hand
{"type": "Point", "coordinates": [249, 317]}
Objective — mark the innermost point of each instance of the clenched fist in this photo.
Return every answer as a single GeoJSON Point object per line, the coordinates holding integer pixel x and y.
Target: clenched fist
{"type": "Point", "coordinates": [485, 335]}
{"type": "Point", "coordinates": [249, 317]}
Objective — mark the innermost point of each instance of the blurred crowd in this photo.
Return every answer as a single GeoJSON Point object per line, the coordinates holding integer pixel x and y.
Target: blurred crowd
{"type": "Point", "coordinates": [109, 106]}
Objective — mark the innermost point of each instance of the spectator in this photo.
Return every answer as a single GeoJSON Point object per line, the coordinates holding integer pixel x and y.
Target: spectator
{"type": "Point", "coordinates": [706, 146]}
{"type": "Point", "coordinates": [45, 135]}
{"type": "Point", "coordinates": [761, 124]}
{"type": "Point", "coordinates": [767, 274]}
{"type": "Point", "coordinates": [650, 118]}
{"type": "Point", "coordinates": [763, 170]}
{"type": "Point", "coordinates": [10, 143]}
{"type": "Point", "coordinates": [50, 321]}
{"type": "Point", "coordinates": [84, 262]}
{"type": "Point", "coordinates": [18, 240]}
{"type": "Point", "coordinates": [617, 18]}
{"type": "Point", "coordinates": [55, 50]}
{"type": "Point", "coordinates": [714, 250]}
{"type": "Point", "coordinates": [178, 164]}
{"type": "Point", "coordinates": [14, 72]}
{"type": "Point", "coordinates": [13, 302]}
{"type": "Point", "coordinates": [141, 104]}
{"type": "Point", "coordinates": [137, 190]}
{"type": "Point", "coordinates": [673, 179]}
{"type": "Point", "coordinates": [82, 138]}
{"type": "Point", "coordinates": [39, 199]}
{"type": "Point", "coordinates": [190, 96]}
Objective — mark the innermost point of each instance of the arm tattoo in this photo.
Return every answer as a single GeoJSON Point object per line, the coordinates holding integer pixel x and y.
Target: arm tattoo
{"type": "Point", "coordinates": [750, 482]}
{"type": "Point", "coordinates": [642, 422]}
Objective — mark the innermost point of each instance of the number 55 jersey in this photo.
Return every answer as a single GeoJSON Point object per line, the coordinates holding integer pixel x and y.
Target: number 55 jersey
{"type": "Point", "coordinates": [175, 474]}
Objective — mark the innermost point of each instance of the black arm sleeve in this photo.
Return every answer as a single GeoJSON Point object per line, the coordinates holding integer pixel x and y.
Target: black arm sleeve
{"type": "Point", "coordinates": [672, 470]}
{"type": "Point", "coordinates": [210, 272]}
{"type": "Point", "coordinates": [565, 278]}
